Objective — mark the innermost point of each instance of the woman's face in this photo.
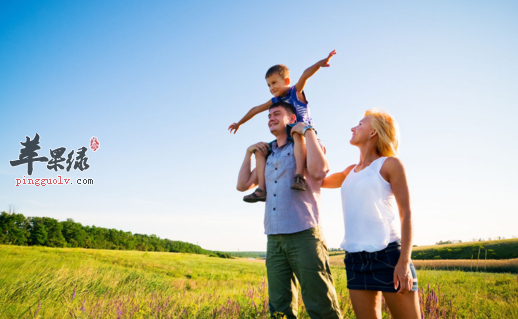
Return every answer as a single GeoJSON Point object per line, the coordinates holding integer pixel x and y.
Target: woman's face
{"type": "Point", "coordinates": [362, 131]}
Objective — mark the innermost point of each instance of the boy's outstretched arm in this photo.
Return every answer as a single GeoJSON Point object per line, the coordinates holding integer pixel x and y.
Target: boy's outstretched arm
{"type": "Point", "coordinates": [312, 70]}
{"type": "Point", "coordinates": [253, 111]}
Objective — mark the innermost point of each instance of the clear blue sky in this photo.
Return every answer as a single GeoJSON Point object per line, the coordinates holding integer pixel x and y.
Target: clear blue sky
{"type": "Point", "coordinates": [159, 82]}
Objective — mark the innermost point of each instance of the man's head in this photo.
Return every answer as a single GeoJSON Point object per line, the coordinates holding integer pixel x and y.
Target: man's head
{"type": "Point", "coordinates": [278, 80]}
{"type": "Point", "coordinates": [280, 115]}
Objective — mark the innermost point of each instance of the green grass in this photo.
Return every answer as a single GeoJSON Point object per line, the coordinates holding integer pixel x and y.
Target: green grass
{"type": "Point", "coordinates": [496, 249]}
{"type": "Point", "coordinates": [132, 284]}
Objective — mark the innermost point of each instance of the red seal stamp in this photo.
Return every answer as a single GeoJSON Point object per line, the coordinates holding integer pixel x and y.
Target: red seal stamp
{"type": "Point", "coordinates": [94, 144]}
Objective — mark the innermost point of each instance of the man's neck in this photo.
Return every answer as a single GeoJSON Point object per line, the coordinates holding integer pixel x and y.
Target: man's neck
{"type": "Point", "coordinates": [282, 139]}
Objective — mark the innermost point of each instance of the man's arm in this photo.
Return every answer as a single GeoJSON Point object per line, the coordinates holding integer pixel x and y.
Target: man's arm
{"type": "Point", "coordinates": [310, 72]}
{"type": "Point", "coordinates": [316, 160]}
{"type": "Point", "coordinates": [253, 112]}
{"type": "Point", "coordinates": [247, 178]}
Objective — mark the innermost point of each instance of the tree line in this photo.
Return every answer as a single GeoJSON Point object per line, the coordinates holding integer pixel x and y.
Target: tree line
{"type": "Point", "coordinates": [16, 229]}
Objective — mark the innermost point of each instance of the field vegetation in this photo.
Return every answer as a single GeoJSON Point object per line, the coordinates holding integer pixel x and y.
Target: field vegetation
{"type": "Point", "coordinates": [500, 266]}
{"type": "Point", "coordinates": [42, 282]}
{"type": "Point", "coordinates": [496, 266]}
{"type": "Point", "coordinates": [247, 254]}
{"type": "Point", "coordinates": [476, 250]}
{"type": "Point", "coordinates": [493, 249]}
{"type": "Point", "coordinates": [16, 229]}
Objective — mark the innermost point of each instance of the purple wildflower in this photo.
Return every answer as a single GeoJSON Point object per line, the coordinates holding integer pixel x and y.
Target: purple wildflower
{"type": "Point", "coordinates": [83, 306]}
{"type": "Point", "coordinates": [37, 310]}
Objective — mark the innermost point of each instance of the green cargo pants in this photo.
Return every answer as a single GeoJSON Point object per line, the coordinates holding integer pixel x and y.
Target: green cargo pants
{"type": "Point", "coordinates": [301, 256]}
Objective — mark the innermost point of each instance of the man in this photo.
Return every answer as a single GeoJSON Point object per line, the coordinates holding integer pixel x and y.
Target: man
{"type": "Point", "coordinates": [296, 245]}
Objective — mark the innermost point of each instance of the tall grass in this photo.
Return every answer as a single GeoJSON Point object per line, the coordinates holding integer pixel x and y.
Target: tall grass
{"type": "Point", "coordinates": [38, 282]}
{"type": "Point", "coordinates": [500, 266]}
{"type": "Point", "coordinates": [491, 249]}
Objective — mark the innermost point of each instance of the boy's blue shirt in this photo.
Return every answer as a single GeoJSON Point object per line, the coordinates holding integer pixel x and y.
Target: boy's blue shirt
{"type": "Point", "coordinates": [302, 109]}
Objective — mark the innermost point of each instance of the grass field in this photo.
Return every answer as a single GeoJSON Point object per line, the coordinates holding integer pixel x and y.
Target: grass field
{"type": "Point", "coordinates": [498, 266]}
{"type": "Point", "coordinates": [494, 249]}
{"type": "Point", "coordinates": [40, 282]}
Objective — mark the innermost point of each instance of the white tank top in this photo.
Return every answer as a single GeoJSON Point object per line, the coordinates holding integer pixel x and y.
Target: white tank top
{"type": "Point", "coordinates": [371, 217]}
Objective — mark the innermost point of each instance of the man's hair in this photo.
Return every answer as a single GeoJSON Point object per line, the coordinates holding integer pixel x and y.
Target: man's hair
{"type": "Point", "coordinates": [280, 69]}
{"type": "Point", "coordinates": [287, 106]}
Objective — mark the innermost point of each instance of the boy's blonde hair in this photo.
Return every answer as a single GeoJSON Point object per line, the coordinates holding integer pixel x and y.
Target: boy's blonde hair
{"type": "Point", "coordinates": [388, 132]}
{"type": "Point", "coordinates": [280, 69]}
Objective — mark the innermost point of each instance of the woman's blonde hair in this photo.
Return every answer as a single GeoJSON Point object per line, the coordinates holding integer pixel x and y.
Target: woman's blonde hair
{"type": "Point", "coordinates": [388, 132]}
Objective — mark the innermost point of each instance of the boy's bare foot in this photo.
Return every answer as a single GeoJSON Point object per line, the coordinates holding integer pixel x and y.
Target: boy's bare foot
{"type": "Point", "coordinates": [258, 195]}
{"type": "Point", "coordinates": [299, 183]}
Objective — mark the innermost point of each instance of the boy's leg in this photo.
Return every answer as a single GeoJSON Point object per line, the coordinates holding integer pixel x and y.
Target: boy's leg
{"type": "Point", "coordinates": [260, 166]}
{"type": "Point", "coordinates": [259, 195]}
{"type": "Point", "coordinates": [282, 283]}
{"type": "Point", "coordinates": [309, 260]}
{"type": "Point", "coordinates": [299, 151]}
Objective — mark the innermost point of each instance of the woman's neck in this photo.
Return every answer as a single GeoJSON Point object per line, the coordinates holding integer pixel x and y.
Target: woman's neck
{"type": "Point", "coordinates": [368, 155]}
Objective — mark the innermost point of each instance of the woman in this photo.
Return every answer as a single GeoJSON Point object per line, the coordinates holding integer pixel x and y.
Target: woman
{"type": "Point", "coordinates": [377, 245]}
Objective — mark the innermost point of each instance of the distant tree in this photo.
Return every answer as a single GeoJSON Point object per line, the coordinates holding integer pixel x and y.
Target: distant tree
{"type": "Point", "coordinates": [74, 233]}
{"type": "Point", "coordinates": [16, 229]}
{"type": "Point", "coordinates": [13, 229]}
{"type": "Point", "coordinates": [54, 233]}
{"type": "Point", "coordinates": [38, 232]}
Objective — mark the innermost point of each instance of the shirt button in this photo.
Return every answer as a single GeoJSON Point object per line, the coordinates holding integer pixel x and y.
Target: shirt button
{"type": "Point", "coordinates": [288, 153]}
{"type": "Point", "coordinates": [274, 208]}
{"type": "Point", "coordinates": [274, 195]}
{"type": "Point", "coordinates": [276, 168]}
{"type": "Point", "coordinates": [275, 182]}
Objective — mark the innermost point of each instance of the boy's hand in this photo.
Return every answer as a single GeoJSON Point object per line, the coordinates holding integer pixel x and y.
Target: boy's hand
{"type": "Point", "coordinates": [325, 62]}
{"type": "Point", "coordinates": [310, 72]}
{"type": "Point", "coordinates": [298, 128]}
{"type": "Point", "coordinates": [234, 127]}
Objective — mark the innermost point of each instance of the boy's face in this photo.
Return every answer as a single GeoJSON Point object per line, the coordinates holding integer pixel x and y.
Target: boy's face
{"type": "Point", "coordinates": [277, 85]}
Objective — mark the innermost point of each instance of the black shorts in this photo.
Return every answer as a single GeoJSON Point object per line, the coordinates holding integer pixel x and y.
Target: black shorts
{"type": "Point", "coordinates": [375, 271]}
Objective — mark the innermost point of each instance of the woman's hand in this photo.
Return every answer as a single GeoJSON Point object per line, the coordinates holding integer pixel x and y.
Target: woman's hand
{"type": "Point", "coordinates": [403, 278]}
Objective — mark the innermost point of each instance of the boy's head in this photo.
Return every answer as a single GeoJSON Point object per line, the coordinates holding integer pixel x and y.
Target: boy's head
{"type": "Point", "coordinates": [278, 80]}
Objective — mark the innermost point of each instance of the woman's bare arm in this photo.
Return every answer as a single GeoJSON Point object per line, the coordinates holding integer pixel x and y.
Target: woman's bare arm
{"type": "Point", "coordinates": [393, 172]}
{"type": "Point", "coordinates": [337, 179]}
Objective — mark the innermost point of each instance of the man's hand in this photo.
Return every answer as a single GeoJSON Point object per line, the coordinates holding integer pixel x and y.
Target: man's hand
{"type": "Point", "coordinates": [261, 146]}
{"type": "Point", "coordinates": [325, 62]}
{"type": "Point", "coordinates": [234, 127]}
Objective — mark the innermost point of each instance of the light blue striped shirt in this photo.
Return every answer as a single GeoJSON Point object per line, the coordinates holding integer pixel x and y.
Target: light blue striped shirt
{"type": "Point", "coordinates": [288, 211]}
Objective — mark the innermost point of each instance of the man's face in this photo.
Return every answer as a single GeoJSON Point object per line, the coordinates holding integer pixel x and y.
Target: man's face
{"type": "Point", "coordinates": [277, 85]}
{"type": "Point", "coordinates": [278, 119]}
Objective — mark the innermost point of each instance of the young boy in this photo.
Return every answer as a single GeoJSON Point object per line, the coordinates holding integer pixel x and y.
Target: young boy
{"type": "Point", "coordinates": [278, 80]}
